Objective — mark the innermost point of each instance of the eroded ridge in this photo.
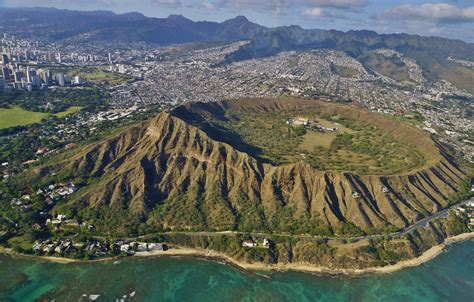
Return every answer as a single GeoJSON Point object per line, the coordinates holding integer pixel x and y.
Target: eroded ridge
{"type": "Point", "coordinates": [192, 169]}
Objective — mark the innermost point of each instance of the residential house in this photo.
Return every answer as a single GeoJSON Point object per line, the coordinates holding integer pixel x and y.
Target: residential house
{"type": "Point", "coordinates": [249, 243]}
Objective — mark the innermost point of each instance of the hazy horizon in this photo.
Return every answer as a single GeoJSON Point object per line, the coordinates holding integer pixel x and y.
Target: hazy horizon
{"type": "Point", "coordinates": [449, 19]}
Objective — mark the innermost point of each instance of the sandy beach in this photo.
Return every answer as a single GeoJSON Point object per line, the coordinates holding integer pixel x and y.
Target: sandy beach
{"type": "Point", "coordinates": [62, 260]}
{"type": "Point", "coordinates": [193, 252]}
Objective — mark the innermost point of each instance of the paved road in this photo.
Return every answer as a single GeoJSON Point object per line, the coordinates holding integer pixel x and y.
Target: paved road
{"type": "Point", "coordinates": [421, 223]}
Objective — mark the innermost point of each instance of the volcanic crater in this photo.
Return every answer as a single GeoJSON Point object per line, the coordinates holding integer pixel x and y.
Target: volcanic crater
{"type": "Point", "coordinates": [279, 164]}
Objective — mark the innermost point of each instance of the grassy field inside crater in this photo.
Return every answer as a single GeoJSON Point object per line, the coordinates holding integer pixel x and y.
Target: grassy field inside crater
{"type": "Point", "coordinates": [355, 146]}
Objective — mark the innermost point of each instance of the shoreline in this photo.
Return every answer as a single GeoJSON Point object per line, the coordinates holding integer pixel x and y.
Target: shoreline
{"type": "Point", "coordinates": [428, 255]}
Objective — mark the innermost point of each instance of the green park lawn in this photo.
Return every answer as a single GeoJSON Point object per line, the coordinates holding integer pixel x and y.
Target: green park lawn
{"type": "Point", "coordinates": [70, 110]}
{"type": "Point", "coordinates": [17, 116]}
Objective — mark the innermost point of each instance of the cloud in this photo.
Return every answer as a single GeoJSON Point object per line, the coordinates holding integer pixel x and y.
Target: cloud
{"type": "Point", "coordinates": [286, 6]}
{"type": "Point", "coordinates": [93, 4]}
{"type": "Point", "coordinates": [58, 3]}
{"type": "Point", "coordinates": [313, 12]}
{"type": "Point", "coordinates": [435, 12]}
{"type": "Point", "coordinates": [208, 5]}
{"type": "Point", "coordinates": [320, 13]}
{"type": "Point", "coordinates": [269, 5]}
{"type": "Point", "coordinates": [165, 3]}
{"type": "Point", "coordinates": [345, 4]}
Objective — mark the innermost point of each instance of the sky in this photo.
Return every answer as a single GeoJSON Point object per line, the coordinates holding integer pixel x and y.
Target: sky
{"type": "Point", "coordinates": [445, 18]}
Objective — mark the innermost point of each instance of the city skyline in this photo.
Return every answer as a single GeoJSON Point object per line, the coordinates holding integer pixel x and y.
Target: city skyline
{"type": "Point", "coordinates": [448, 18]}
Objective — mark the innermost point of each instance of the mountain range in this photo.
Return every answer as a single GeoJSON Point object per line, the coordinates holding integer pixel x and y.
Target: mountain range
{"type": "Point", "coordinates": [107, 27]}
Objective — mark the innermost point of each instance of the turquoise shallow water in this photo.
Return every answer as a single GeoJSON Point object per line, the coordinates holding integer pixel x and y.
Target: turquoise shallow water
{"type": "Point", "coordinates": [449, 277]}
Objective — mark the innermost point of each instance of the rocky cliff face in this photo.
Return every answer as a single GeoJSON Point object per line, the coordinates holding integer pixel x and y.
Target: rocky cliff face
{"type": "Point", "coordinates": [170, 172]}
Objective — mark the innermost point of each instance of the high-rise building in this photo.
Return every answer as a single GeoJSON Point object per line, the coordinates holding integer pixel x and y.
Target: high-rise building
{"type": "Point", "coordinates": [18, 75]}
{"type": "Point", "coordinates": [110, 57]}
{"type": "Point", "coordinates": [122, 68]}
{"type": "Point", "coordinates": [60, 79]}
{"type": "Point", "coordinates": [77, 80]}
{"type": "Point", "coordinates": [59, 58]}
{"type": "Point", "coordinates": [5, 59]}
{"type": "Point", "coordinates": [48, 76]}
{"type": "Point", "coordinates": [24, 83]}
{"type": "Point", "coordinates": [6, 73]}
{"type": "Point", "coordinates": [30, 73]}
{"type": "Point", "coordinates": [2, 83]}
{"type": "Point", "coordinates": [35, 81]}
{"type": "Point", "coordinates": [45, 75]}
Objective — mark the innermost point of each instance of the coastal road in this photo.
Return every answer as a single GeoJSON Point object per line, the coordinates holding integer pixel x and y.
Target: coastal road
{"type": "Point", "coordinates": [419, 224]}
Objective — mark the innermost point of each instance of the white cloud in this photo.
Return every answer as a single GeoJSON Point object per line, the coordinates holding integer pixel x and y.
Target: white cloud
{"type": "Point", "coordinates": [313, 12]}
{"type": "Point", "coordinates": [58, 3]}
{"type": "Point", "coordinates": [163, 3]}
{"type": "Point", "coordinates": [93, 4]}
{"type": "Point", "coordinates": [209, 5]}
{"type": "Point", "coordinates": [337, 3]}
{"type": "Point", "coordinates": [437, 12]}
{"type": "Point", "coordinates": [281, 5]}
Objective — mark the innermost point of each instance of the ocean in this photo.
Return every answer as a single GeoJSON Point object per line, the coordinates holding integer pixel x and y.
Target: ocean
{"type": "Point", "coordinates": [448, 277]}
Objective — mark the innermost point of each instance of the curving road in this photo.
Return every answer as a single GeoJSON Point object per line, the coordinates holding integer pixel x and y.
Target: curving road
{"type": "Point", "coordinates": [421, 223]}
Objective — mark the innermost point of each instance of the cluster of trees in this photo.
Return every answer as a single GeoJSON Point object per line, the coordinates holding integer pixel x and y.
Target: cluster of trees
{"type": "Point", "coordinates": [59, 99]}
{"type": "Point", "coordinates": [463, 193]}
{"type": "Point", "coordinates": [19, 148]}
{"type": "Point", "coordinates": [457, 224]}
{"type": "Point", "coordinates": [284, 221]}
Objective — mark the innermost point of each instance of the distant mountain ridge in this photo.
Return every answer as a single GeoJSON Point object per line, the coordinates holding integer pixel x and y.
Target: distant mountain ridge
{"type": "Point", "coordinates": [128, 27]}
{"type": "Point", "coordinates": [105, 26]}
{"type": "Point", "coordinates": [237, 28]}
